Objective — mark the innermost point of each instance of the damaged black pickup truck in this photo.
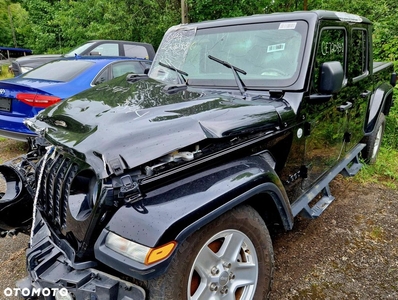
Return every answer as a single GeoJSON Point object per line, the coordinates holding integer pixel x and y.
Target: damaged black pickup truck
{"type": "Point", "coordinates": [162, 186]}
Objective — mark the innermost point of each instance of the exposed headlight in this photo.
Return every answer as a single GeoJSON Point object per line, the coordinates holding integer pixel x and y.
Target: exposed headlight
{"type": "Point", "coordinates": [26, 69]}
{"type": "Point", "coordinates": [63, 294]}
{"type": "Point", "coordinates": [83, 195]}
{"type": "Point", "coordinates": [138, 252]}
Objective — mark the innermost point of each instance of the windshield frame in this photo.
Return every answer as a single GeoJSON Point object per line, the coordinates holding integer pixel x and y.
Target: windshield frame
{"type": "Point", "coordinates": [190, 35]}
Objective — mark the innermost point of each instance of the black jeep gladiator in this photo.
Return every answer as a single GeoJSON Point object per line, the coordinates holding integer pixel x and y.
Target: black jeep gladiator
{"type": "Point", "coordinates": [163, 186]}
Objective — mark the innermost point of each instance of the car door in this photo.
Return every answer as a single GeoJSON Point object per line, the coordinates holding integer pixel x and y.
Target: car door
{"type": "Point", "coordinates": [326, 117]}
{"type": "Point", "coordinates": [119, 68]}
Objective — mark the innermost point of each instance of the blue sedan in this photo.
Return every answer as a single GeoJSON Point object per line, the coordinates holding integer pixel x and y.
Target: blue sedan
{"type": "Point", "coordinates": [24, 96]}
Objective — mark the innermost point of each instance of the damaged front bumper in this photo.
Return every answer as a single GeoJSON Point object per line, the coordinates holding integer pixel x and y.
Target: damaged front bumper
{"type": "Point", "coordinates": [51, 266]}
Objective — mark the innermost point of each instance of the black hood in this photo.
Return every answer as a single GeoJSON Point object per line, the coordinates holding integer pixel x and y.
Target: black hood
{"type": "Point", "coordinates": [139, 122]}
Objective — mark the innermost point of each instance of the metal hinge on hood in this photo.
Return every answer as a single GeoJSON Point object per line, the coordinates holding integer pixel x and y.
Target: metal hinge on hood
{"type": "Point", "coordinates": [115, 165]}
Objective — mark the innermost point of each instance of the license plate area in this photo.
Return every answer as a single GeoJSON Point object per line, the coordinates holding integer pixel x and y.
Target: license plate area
{"type": "Point", "coordinates": [5, 104]}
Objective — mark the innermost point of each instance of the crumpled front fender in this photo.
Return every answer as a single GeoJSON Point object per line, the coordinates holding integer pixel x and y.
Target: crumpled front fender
{"type": "Point", "coordinates": [175, 211]}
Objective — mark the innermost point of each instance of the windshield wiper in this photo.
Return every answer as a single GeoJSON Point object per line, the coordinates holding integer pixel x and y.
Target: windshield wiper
{"type": "Point", "coordinates": [180, 73]}
{"type": "Point", "coordinates": [235, 70]}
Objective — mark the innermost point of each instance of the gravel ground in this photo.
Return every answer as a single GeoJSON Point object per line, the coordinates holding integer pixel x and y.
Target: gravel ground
{"type": "Point", "coordinates": [12, 262]}
{"type": "Point", "coordinates": [350, 252]}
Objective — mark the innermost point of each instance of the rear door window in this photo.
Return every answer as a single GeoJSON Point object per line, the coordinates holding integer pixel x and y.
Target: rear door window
{"type": "Point", "coordinates": [358, 64]}
{"type": "Point", "coordinates": [132, 50]}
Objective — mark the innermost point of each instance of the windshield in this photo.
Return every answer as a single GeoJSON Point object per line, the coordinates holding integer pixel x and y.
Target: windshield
{"type": "Point", "coordinates": [79, 50]}
{"type": "Point", "coordinates": [269, 53]}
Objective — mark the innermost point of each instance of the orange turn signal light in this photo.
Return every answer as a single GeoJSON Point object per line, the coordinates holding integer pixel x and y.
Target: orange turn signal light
{"type": "Point", "coordinates": [162, 252]}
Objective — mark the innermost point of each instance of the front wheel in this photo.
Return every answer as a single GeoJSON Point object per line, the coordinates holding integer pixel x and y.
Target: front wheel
{"type": "Point", "coordinates": [229, 258]}
{"type": "Point", "coordinates": [373, 141]}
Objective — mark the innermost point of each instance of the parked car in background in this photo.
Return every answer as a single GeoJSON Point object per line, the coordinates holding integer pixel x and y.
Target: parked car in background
{"type": "Point", "coordinates": [90, 48]}
{"type": "Point", "coordinates": [24, 96]}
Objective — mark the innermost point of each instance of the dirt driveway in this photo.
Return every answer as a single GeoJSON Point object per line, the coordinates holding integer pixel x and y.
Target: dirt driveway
{"type": "Point", "coordinates": [350, 252]}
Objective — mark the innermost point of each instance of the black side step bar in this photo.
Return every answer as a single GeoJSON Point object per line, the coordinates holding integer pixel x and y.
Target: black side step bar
{"type": "Point", "coordinates": [349, 166]}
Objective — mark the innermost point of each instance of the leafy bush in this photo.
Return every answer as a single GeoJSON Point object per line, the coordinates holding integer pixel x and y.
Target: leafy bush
{"type": "Point", "coordinates": [385, 171]}
{"type": "Point", "coordinates": [5, 73]}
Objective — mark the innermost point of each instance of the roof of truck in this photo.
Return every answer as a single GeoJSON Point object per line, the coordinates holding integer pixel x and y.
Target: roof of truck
{"type": "Point", "coordinates": [283, 16]}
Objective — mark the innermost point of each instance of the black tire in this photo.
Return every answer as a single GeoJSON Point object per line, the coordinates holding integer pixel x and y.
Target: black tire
{"type": "Point", "coordinates": [238, 251]}
{"type": "Point", "coordinates": [373, 141]}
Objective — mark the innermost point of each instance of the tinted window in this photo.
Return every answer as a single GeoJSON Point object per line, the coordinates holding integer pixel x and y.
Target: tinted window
{"type": "Point", "coordinates": [63, 70]}
{"type": "Point", "coordinates": [127, 67]}
{"type": "Point", "coordinates": [358, 65]}
{"type": "Point", "coordinates": [135, 51]}
{"type": "Point", "coordinates": [107, 49]}
{"type": "Point", "coordinates": [331, 47]}
{"type": "Point", "coordinates": [102, 77]}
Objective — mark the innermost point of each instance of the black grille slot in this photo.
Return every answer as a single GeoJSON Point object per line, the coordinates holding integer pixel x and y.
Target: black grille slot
{"type": "Point", "coordinates": [55, 184]}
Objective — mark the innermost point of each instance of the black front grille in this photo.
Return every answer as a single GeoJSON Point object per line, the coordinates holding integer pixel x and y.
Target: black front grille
{"type": "Point", "coordinates": [57, 177]}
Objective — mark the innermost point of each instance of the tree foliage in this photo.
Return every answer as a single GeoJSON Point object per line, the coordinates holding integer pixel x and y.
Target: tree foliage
{"type": "Point", "coordinates": [12, 23]}
{"type": "Point", "coordinates": [382, 13]}
{"type": "Point", "coordinates": [49, 26]}
{"type": "Point", "coordinates": [208, 9]}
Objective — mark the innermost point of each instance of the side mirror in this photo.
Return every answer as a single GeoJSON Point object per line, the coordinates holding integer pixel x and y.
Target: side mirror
{"type": "Point", "coordinates": [331, 77]}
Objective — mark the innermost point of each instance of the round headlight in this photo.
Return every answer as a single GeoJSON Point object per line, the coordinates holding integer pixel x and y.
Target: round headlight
{"type": "Point", "coordinates": [63, 294]}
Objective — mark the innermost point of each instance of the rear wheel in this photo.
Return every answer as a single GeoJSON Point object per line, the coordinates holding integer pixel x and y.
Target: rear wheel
{"type": "Point", "coordinates": [373, 141]}
{"type": "Point", "coordinates": [229, 258]}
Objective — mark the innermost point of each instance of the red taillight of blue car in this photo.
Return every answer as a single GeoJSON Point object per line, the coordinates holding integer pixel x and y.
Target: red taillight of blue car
{"type": "Point", "coordinates": [36, 100]}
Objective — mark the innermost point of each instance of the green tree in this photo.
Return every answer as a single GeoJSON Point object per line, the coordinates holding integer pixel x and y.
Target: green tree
{"type": "Point", "coordinates": [70, 23]}
{"type": "Point", "coordinates": [201, 10]}
{"type": "Point", "coordinates": [41, 34]}
{"type": "Point", "coordinates": [18, 15]}
{"type": "Point", "coordinates": [5, 32]}
{"type": "Point", "coordinates": [49, 26]}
